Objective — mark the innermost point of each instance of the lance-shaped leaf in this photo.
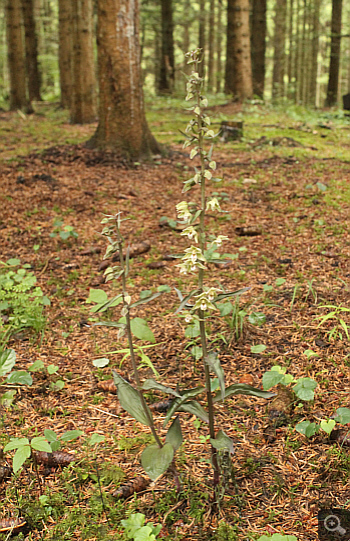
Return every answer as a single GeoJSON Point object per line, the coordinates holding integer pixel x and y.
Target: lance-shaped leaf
{"type": "Point", "coordinates": [343, 416]}
{"type": "Point", "coordinates": [196, 409]}
{"type": "Point", "coordinates": [146, 299]}
{"type": "Point", "coordinates": [174, 434]}
{"type": "Point", "coordinates": [156, 460]}
{"type": "Point", "coordinates": [130, 400]}
{"type": "Point", "coordinates": [243, 388]}
{"type": "Point", "coordinates": [185, 300]}
{"type": "Point", "coordinates": [222, 441]}
{"type": "Point", "coordinates": [20, 457]}
{"type": "Point", "coordinates": [152, 384]}
{"type": "Point", "coordinates": [178, 402]}
{"type": "Point", "coordinates": [7, 361]}
{"type": "Point", "coordinates": [141, 330]}
{"type": "Point", "coordinates": [39, 443]}
{"type": "Point", "coordinates": [127, 260]}
{"type": "Point", "coordinates": [213, 361]}
{"type": "Point", "coordinates": [223, 296]}
{"type": "Point", "coordinates": [109, 324]}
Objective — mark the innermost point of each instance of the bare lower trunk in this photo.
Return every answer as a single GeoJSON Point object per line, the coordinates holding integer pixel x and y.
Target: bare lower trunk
{"type": "Point", "coordinates": [31, 49]}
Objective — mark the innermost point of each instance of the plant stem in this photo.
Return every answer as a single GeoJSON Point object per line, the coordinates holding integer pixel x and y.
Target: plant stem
{"type": "Point", "coordinates": [211, 412]}
{"type": "Point", "coordinates": [130, 343]}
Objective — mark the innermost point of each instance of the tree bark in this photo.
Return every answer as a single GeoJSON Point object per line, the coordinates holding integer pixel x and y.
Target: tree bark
{"type": "Point", "coordinates": [211, 46]}
{"type": "Point", "coordinates": [167, 62]}
{"type": "Point", "coordinates": [219, 48]}
{"type": "Point", "coordinates": [332, 89]}
{"type": "Point", "coordinates": [238, 75]}
{"type": "Point", "coordinates": [279, 49]}
{"type": "Point", "coordinates": [65, 51]}
{"type": "Point", "coordinates": [83, 103]}
{"type": "Point", "coordinates": [258, 45]}
{"type": "Point", "coordinates": [31, 50]}
{"type": "Point", "coordinates": [201, 36]}
{"type": "Point", "coordinates": [122, 123]}
{"type": "Point", "coordinates": [16, 63]}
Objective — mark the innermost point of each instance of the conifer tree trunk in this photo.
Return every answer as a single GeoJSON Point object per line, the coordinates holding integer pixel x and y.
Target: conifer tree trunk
{"type": "Point", "coordinates": [219, 47]}
{"type": "Point", "coordinates": [332, 89]}
{"type": "Point", "coordinates": [122, 123]}
{"type": "Point", "coordinates": [291, 52]}
{"type": "Point", "coordinates": [258, 45]}
{"type": "Point", "coordinates": [279, 49]}
{"type": "Point", "coordinates": [31, 51]}
{"type": "Point", "coordinates": [238, 73]}
{"type": "Point", "coordinates": [16, 62]}
{"type": "Point", "coordinates": [167, 64]}
{"type": "Point", "coordinates": [83, 102]}
{"type": "Point", "coordinates": [201, 36]}
{"type": "Point", "coordinates": [65, 51]}
{"type": "Point", "coordinates": [211, 46]}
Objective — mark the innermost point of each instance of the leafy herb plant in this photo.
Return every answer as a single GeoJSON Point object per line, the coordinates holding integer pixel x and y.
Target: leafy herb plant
{"type": "Point", "coordinates": [195, 307]}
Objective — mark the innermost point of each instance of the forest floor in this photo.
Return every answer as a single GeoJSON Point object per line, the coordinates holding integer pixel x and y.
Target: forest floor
{"type": "Point", "coordinates": [286, 184]}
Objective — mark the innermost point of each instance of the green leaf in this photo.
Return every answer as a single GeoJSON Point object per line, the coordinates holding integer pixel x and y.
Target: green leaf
{"type": "Point", "coordinates": [194, 408]}
{"type": "Point", "coordinates": [14, 262]}
{"type": "Point", "coordinates": [155, 386]}
{"type": "Point", "coordinates": [213, 361]}
{"type": "Point", "coordinates": [7, 361]}
{"type": "Point", "coordinates": [155, 461]}
{"type": "Point", "coordinates": [197, 352]}
{"type": "Point", "coordinates": [21, 456]}
{"type": "Point", "coordinates": [133, 523]}
{"type": "Point", "coordinates": [322, 187]}
{"type": "Point", "coordinates": [267, 287]}
{"type": "Point", "coordinates": [39, 443]}
{"type": "Point", "coordinates": [50, 435]}
{"type": "Point", "coordinates": [327, 426]}
{"type": "Point", "coordinates": [229, 294]}
{"type": "Point", "coordinates": [271, 378]}
{"type": "Point", "coordinates": [7, 398]}
{"type": "Point", "coordinates": [57, 385]}
{"type": "Point", "coordinates": [100, 363]}
{"type": "Point", "coordinates": [257, 319]}
{"type": "Point", "coordinates": [259, 348]}
{"type": "Point", "coordinates": [192, 331]}
{"type": "Point", "coordinates": [242, 388]}
{"type": "Point", "coordinates": [304, 388]}
{"type": "Point", "coordinates": [144, 534]}
{"type": "Point", "coordinates": [95, 439]}
{"type": "Point", "coordinates": [55, 445]}
{"type": "Point", "coordinates": [14, 443]}
{"type": "Point", "coordinates": [52, 369]}
{"type": "Point", "coordinates": [307, 428]}
{"type": "Point", "coordinates": [130, 400]}
{"type": "Point", "coordinates": [141, 330]}
{"type": "Point", "coordinates": [277, 537]}
{"type": "Point", "coordinates": [37, 366]}
{"type": "Point", "coordinates": [343, 416]}
{"type": "Point", "coordinates": [71, 435]}
{"type": "Point", "coordinates": [225, 308]}
{"type": "Point", "coordinates": [280, 281]}
{"type": "Point", "coordinates": [20, 377]}
{"type": "Point", "coordinates": [145, 300]}
{"type": "Point", "coordinates": [98, 296]}
{"type": "Point", "coordinates": [184, 300]}
{"type": "Point", "coordinates": [174, 434]}
{"type": "Point", "coordinates": [164, 289]}
{"type": "Point", "coordinates": [222, 441]}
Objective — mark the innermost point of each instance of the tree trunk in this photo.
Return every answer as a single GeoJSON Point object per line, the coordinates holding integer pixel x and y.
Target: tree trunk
{"type": "Point", "coordinates": [122, 123]}
{"type": "Point", "coordinates": [83, 103]}
{"type": "Point", "coordinates": [279, 49]}
{"type": "Point", "coordinates": [31, 48]}
{"type": "Point", "coordinates": [238, 75]}
{"type": "Point", "coordinates": [16, 63]}
{"type": "Point", "coordinates": [201, 36]}
{"type": "Point", "coordinates": [332, 89]}
{"type": "Point", "coordinates": [167, 63]}
{"type": "Point", "coordinates": [65, 51]}
{"type": "Point", "coordinates": [211, 46]}
{"type": "Point", "coordinates": [258, 44]}
{"type": "Point", "coordinates": [219, 48]}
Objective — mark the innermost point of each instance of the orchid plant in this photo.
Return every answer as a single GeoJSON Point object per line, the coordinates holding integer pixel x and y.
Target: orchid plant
{"type": "Point", "coordinates": [195, 307]}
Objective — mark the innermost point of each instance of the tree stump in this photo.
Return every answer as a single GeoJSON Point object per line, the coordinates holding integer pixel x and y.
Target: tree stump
{"type": "Point", "coordinates": [231, 131]}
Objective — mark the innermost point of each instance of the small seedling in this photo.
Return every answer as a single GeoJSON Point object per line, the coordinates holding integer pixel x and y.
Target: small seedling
{"type": "Point", "coordinates": [136, 529]}
{"type": "Point", "coordinates": [303, 387]}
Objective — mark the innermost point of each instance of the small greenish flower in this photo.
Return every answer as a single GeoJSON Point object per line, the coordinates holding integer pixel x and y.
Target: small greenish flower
{"type": "Point", "coordinates": [183, 212]}
{"type": "Point", "coordinates": [213, 204]}
{"type": "Point", "coordinates": [220, 239]}
{"type": "Point", "coordinates": [191, 233]}
{"type": "Point", "coordinates": [193, 254]}
{"type": "Point", "coordinates": [204, 300]}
